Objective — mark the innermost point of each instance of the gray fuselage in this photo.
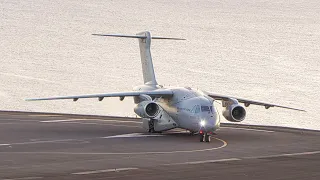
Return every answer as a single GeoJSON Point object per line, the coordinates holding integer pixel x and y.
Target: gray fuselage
{"type": "Point", "coordinates": [189, 108]}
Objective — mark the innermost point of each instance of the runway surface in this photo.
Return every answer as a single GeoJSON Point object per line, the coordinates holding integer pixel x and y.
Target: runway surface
{"type": "Point", "coordinates": [57, 146]}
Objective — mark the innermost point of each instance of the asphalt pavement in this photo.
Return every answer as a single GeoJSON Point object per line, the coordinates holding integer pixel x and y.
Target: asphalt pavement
{"type": "Point", "coordinates": [63, 146]}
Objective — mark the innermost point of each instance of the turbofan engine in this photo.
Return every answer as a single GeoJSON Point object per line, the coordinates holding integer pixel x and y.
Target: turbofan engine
{"type": "Point", "coordinates": [234, 112]}
{"type": "Point", "coordinates": [147, 109]}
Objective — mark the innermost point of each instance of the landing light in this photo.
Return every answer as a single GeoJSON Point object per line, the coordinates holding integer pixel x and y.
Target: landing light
{"type": "Point", "coordinates": [202, 123]}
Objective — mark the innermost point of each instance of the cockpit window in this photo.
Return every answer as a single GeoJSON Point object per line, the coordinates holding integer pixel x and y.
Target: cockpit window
{"type": "Point", "coordinates": [196, 109]}
{"type": "Point", "coordinates": [211, 109]}
{"type": "Point", "coordinates": [205, 109]}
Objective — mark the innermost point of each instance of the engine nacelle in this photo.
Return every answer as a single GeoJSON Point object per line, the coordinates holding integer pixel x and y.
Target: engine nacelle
{"type": "Point", "coordinates": [147, 109]}
{"type": "Point", "coordinates": [234, 113]}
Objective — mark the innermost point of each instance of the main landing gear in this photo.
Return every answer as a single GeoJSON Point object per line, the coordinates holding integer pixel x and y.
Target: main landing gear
{"type": "Point", "coordinates": [151, 126]}
{"type": "Point", "coordinates": [204, 137]}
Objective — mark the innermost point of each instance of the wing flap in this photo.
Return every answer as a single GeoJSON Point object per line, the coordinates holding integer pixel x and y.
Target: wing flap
{"type": "Point", "coordinates": [248, 102]}
{"type": "Point", "coordinates": [156, 93]}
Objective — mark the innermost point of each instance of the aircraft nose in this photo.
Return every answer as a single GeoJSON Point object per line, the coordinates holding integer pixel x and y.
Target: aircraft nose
{"type": "Point", "coordinates": [209, 124]}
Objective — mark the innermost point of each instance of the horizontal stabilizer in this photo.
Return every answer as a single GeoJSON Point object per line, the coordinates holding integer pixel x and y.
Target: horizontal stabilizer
{"type": "Point", "coordinates": [136, 36]}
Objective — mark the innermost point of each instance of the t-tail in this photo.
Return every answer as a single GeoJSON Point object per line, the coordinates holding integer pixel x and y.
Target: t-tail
{"type": "Point", "coordinates": [145, 53]}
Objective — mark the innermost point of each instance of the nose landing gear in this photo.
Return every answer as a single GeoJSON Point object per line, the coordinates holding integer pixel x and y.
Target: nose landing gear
{"type": "Point", "coordinates": [204, 136]}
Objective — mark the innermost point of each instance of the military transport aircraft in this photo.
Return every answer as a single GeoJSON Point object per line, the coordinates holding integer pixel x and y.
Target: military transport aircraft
{"type": "Point", "coordinates": [162, 109]}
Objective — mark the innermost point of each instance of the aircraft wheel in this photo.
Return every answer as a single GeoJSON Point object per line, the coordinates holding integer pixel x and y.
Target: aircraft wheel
{"type": "Point", "coordinates": [151, 126]}
{"type": "Point", "coordinates": [207, 138]}
{"type": "Point", "coordinates": [201, 137]}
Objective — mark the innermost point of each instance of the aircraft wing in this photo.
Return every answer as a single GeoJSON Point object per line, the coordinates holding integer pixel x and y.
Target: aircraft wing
{"type": "Point", "coordinates": [247, 102]}
{"type": "Point", "coordinates": [155, 93]}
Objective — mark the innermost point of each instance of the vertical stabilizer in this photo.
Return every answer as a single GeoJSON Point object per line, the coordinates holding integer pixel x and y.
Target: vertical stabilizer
{"type": "Point", "coordinates": [145, 53]}
{"type": "Point", "coordinates": [146, 59]}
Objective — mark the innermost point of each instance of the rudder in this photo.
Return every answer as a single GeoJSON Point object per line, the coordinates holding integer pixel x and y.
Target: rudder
{"type": "Point", "coordinates": [146, 59]}
{"type": "Point", "coordinates": [145, 53]}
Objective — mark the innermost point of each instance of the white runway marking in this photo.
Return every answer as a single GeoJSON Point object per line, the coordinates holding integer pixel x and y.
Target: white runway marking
{"type": "Point", "coordinates": [248, 129]}
{"type": "Point", "coordinates": [66, 120]}
{"type": "Point", "coordinates": [39, 142]}
{"type": "Point", "coordinates": [118, 125]}
{"type": "Point", "coordinates": [9, 123]}
{"type": "Point", "coordinates": [200, 162]}
{"type": "Point", "coordinates": [120, 121]}
{"type": "Point", "coordinates": [104, 171]}
{"type": "Point", "coordinates": [19, 120]}
{"type": "Point", "coordinates": [44, 115]}
{"type": "Point", "coordinates": [284, 155]}
{"type": "Point", "coordinates": [59, 120]}
{"type": "Point", "coordinates": [126, 153]}
{"type": "Point", "coordinates": [178, 131]}
{"type": "Point", "coordinates": [4, 144]}
{"type": "Point", "coordinates": [124, 121]}
{"type": "Point", "coordinates": [133, 135]}
{"type": "Point", "coordinates": [244, 158]}
{"type": "Point", "coordinates": [24, 178]}
{"type": "Point", "coordinates": [204, 162]}
{"type": "Point", "coordinates": [77, 122]}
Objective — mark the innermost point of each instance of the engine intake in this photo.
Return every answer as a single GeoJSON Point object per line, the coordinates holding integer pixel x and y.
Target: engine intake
{"type": "Point", "coordinates": [147, 109]}
{"type": "Point", "coordinates": [235, 113]}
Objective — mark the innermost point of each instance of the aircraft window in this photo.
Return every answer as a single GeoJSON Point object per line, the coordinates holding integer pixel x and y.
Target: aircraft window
{"type": "Point", "coordinates": [205, 109]}
{"type": "Point", "coordinates": [211, 109]}
{"type": "Point", "coordinates": [197, 110]}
